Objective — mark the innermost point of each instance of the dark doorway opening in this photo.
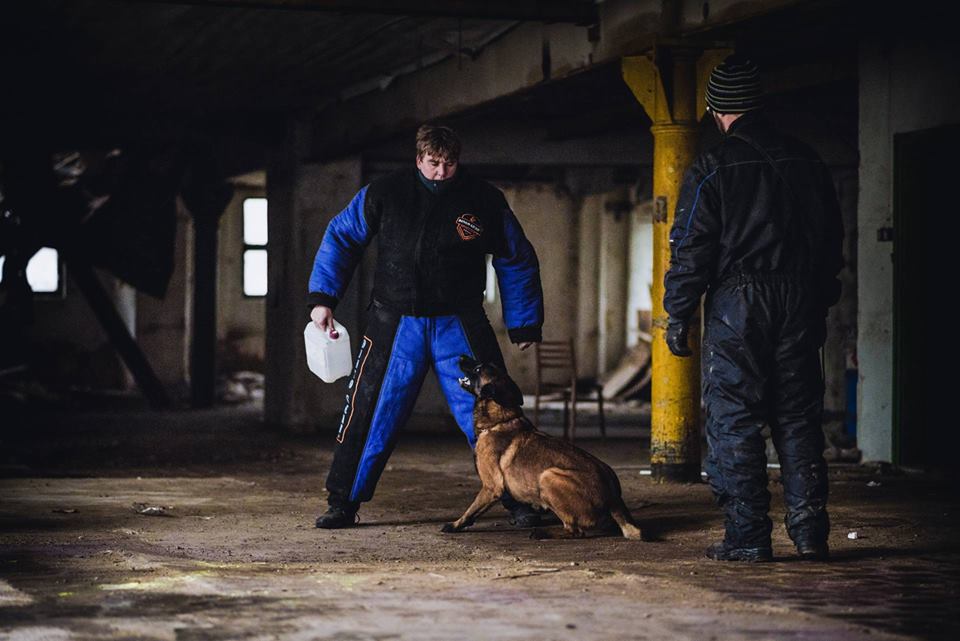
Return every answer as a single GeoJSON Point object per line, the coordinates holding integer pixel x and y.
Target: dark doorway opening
{"type": "Point", "coordinates": [925, 205]}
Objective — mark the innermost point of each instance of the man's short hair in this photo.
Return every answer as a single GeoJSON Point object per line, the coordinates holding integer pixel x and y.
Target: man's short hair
{"type": "Point", "coordinates": [439, 141]}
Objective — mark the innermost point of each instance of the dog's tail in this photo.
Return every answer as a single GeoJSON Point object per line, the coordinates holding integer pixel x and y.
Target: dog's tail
{"type": "Point", "coordinates": [621, 515]}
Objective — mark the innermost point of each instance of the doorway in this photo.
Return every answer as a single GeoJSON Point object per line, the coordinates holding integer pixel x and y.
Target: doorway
{"type": "Point", "coordinates": [924, 207]}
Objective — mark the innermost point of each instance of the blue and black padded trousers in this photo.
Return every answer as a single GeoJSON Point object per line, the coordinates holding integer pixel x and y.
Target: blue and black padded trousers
{"type": "Point", "coordinates": [761, 366]}
{"type": "Point", "coordinates": [395, 353]}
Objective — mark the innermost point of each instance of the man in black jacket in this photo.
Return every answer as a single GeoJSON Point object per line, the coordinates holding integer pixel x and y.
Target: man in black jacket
{"type": "Point", "coordinates": [758, 229]}
{"type": "Point", "coordinates": [434, 225]}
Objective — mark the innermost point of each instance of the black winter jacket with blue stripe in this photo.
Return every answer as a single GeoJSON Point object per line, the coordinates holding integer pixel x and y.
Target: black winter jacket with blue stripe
{"type": "Point", "coordinates": [432, 247]}
{"type": "Point", "coordinates": [760, 202]}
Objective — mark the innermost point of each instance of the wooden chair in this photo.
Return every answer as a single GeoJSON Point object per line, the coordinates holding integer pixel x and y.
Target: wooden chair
{"type": "Point", "coordinates": [561, 356]}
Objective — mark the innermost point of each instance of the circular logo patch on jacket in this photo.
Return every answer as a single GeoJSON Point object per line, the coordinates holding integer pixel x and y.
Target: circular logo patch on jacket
{"type": "Point", "coordinates": [469, 227]}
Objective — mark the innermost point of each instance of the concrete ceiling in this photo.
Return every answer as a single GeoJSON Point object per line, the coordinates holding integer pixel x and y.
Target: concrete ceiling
{"type": "Point", "coordinates": [97, 73]}
{"type": "Point", "coordinates": [114, 56]}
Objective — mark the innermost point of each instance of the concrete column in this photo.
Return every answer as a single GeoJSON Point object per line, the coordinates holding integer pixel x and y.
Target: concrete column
{"type": "Point", "coordinates": [675, 411]}
{"type": "Point", "coordinates": [204, 318]}
{"type": "Point", "coordinates": [303, 198]}
{"type": "Point", "coordinates": [205, 198]}
{"type": "Point", "coordinates": [612, 259]}
{"type": "Point", "coordinates": [588, 289]}
{"type": "Point", "coordinates": [875, 264]}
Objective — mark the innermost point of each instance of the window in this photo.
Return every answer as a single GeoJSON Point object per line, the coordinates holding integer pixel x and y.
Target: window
{"type": "Point", "coordinates": [43, 271]}
{"type": "Point", "coordinates": [255, 247]}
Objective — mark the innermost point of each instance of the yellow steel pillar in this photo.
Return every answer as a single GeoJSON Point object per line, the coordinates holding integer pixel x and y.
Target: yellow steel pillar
{"type": "Point", "coordinates": [665, 83]}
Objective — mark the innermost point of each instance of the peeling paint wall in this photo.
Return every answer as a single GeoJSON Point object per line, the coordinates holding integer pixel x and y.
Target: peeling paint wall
{"type": "Point", "coordinates": [613, 278]}
{"type": "Point", "coordinates": [549, 218]}
{"type": "Point", "coordinates": [839, 350]}
{"type": "Point", "coordinates": [303, 198]}
{"type": "Point", "coordinates": [241, 320]}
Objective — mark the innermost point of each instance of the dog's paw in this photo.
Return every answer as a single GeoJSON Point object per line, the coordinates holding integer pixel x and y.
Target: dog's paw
{"type": "Point", "coordinates": [539, 534]}
{"type": "Point", "coordinates": [449, 528]}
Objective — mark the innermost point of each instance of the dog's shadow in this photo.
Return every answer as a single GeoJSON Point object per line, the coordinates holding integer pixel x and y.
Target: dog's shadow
{"type": "Point", "coordinates": [655, 528]}
{"type": "Point", "coordinates": [550, 528]}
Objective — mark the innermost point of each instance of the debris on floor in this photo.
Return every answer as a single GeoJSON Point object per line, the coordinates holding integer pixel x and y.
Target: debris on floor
{"type": "Point", "coordinates": [240, 387]}
{"type": "Point", "coordinates": [151, 510]}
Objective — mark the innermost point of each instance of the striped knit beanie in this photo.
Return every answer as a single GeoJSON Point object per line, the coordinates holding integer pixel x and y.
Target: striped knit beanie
{"type": "Point", "coordinates": [734, 86]}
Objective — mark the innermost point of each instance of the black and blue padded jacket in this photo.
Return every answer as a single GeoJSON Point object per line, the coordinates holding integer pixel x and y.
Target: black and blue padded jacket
{"type": "Point", "coordinates": [758, 203]}
{"type": "Point", "coordinates": [431, 252]}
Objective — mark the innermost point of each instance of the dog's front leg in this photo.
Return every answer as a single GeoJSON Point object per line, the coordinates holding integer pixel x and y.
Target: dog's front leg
{"type": "Point", "coordinates": [484, 501]}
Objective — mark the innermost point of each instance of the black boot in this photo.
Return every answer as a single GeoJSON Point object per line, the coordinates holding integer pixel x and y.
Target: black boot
{"type": "Point", "coordinates": [813, 550]}
{"type": "Point", "coordinates": [810, 535]}
{"type": "Point", "coordinates": [336, 517]}
{"type": "Point", "coordinates": [522, 515]}
{"type": "Point", "coordinates": [722, 551]}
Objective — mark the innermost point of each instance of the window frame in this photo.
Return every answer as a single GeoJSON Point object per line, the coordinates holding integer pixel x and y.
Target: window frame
{"type": "Point", "coordinates": [251, 247]}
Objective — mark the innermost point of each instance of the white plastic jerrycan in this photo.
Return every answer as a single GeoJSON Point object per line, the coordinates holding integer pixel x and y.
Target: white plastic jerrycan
{"type": "Point", "coordinates": [327, 357]}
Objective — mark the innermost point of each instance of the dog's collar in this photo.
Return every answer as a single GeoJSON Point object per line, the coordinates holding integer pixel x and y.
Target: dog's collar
{"type": "Point", "coordinates": [498, 409]}
{"type": "Point", "coordinates": [504, 425]}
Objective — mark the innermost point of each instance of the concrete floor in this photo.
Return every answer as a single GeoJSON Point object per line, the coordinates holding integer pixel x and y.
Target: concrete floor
{"type": "Point", "coordinates": [237, 557]}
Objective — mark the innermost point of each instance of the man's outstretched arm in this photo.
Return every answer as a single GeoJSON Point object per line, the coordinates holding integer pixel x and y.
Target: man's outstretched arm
{"type": "Point", "coordinates": [518, 275]}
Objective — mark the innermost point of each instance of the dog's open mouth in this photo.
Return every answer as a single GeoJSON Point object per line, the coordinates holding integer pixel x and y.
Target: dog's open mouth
{"type": "Point", "coordinates": [464, 382]}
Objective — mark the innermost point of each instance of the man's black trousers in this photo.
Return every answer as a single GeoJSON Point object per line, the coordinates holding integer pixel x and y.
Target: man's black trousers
{"type": "Point", "coordinates": [761, 366]}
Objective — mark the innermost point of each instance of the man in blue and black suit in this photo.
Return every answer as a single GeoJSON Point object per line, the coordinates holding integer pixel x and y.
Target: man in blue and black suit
{"type": "Point", "coordinates": [435, 225]}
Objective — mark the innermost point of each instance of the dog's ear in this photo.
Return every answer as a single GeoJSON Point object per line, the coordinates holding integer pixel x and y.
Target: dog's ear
{"type": "Point", "coordinates": [509, 393]}
{"type": "Point", "coordinates": [503, 392]}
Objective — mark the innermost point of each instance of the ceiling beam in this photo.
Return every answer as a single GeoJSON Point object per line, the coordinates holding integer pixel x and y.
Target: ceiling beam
{"type": "Point", "coordinates": [580, 12]}
{"type": "Point", "coordinates": [449, 88]}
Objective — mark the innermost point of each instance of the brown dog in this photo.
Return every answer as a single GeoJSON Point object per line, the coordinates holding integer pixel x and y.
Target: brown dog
{"type": "Point", "coordinates": [535, 468]}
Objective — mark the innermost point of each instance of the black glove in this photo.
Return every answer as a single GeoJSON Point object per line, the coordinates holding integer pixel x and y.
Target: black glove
{"type": "Point", "coordinates": [677, 331]}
